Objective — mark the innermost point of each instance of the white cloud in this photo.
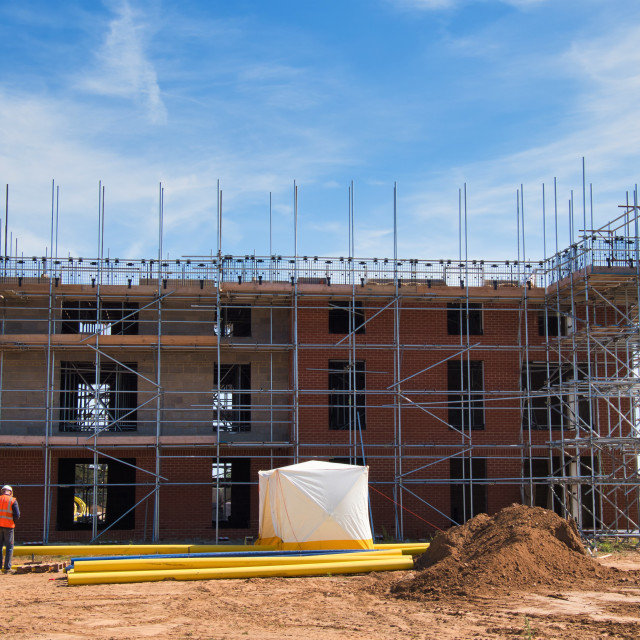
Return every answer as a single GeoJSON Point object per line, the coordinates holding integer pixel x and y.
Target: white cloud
{"type": "Point", "coordinates": [256, 146]}
{"type": "Point", "coordinates": [46, 138]}
{"type": "Point", "coordinates": [612, 64]}
{"type": "Point", "coordinates": [600, 125]}
{"type": "Point", "coordinates": [43, 139]}
{"type": "Point", "coordinates": [124, 69]}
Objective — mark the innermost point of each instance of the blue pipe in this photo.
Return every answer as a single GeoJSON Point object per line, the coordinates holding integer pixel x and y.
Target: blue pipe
{"type": "Point", "coordinates": [220, 554]}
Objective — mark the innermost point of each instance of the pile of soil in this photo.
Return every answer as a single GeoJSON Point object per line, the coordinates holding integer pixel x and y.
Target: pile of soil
{"type": "Point", "coordinates": [519, 548]}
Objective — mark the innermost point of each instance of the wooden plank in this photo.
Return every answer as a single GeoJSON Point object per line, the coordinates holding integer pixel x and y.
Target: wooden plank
{"type": "Point", "coordinates": [61, 340]}
{"type": "Point", "coordinates": [106, 440]}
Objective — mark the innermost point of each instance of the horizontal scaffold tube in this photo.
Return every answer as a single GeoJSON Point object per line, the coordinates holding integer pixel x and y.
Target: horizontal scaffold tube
{"type": "Point", "coordinates": [130, 549]}
{"type": "Point", "coordinates": [151, 563]}
{"type": "Point", "coordinates": [311, 569]}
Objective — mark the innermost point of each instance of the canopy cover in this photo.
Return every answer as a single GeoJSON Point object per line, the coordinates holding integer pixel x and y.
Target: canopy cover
{"type": "Point", "coordinates": [315, 505]}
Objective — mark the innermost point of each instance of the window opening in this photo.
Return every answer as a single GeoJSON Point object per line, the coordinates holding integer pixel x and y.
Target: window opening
{"type": "Point", "coordinates": [233, 398]}
{"type": "Point", "coordinates": [232, 499]}
{"type": "Point", "coordinates": [235, 321]}
{"type": "Point", "coordinates": [545, 404]}
{"type": "Point", "coordinates": [545, 493]}
{"type": "Point", "coordinates": [340, 314]}
{"type": "Point", "coordinates": [93, 404]}
{"type": "Point", "coordinates": [358, 460]}
{"type": "Point", "coordinates": [466, 394]}
{"type": "Point", "coordinates": [86, 502]}
{"type": "Point", "coordinates": [457, 319]}
{"type": "Point", "coordinates": [587, 468]}
{"type": "Point", "coordinates": [116, 318]}
{"type": "Point", "coordinates": [344, 379]}
{"type": "Point", "coordinates": [109, 405]}
{"type": "Point", "coordinates": [466, 483]}
{"type": "Point", "coordinates": [569, 492]}
{"type": "Point", "coordinates": [551, 324]}
{"type": "Point", "coordinates": [111, 502]}
{"type": "Point", "coordinates": [221, 476]}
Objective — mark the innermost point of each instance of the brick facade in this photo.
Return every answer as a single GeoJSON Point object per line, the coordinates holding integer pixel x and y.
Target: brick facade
{"type": "Point", "coordinates": [431, 464]}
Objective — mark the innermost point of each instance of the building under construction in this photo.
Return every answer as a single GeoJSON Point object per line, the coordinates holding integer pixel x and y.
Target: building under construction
{"type": "Point", "coordinates": [140, 398]}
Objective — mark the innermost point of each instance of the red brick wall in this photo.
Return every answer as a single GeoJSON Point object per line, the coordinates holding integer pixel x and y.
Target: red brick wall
{"type": "Point", "coordinates": [427, 442]}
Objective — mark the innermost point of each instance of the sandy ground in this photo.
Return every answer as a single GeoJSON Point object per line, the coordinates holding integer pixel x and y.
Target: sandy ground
{"type": "Point", "coordinates": [42, 606]}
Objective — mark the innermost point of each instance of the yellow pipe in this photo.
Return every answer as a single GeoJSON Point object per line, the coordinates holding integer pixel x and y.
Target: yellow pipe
{"type": "Point", "coordinates": [318, 569]}
{"type": "Point", "coordinates": [396, 545]}
{"type": "Point", "coordinates": [130, 549]}
{"type": "Point", "coordinates": [409, 548]}
{"type": "Point", "coordinates": [154, 564]}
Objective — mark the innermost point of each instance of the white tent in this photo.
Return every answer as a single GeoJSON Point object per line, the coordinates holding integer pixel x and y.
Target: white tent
{"type": "Point", "coordinates": [315, 505]}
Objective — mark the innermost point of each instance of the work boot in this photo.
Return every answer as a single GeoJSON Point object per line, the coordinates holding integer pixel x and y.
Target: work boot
{"type": "Point", "coordinates": [4, 571]}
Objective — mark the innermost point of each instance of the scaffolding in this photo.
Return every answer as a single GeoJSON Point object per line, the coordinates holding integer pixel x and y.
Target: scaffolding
{"type": "Point", "coordinates": [562, 418]}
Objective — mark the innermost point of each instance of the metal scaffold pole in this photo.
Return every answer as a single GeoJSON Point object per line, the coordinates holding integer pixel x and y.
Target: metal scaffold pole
{"type": "Point", "coordinates": [159, 396]}
{"type": "Point", "coordinates": [397, 374]}
{"type": "Point", "coordinates": [296, 383]}
{"type": "Point", "coordinates": [218, 330]}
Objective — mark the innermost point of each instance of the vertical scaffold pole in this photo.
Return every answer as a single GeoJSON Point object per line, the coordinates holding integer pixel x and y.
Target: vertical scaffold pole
{"type": "Point", "coordinates": [6, 227]}
{"type": "Point", "coordinates": [470, 392]}
{"type": "Point", "coordinates": [49, 394]}
{"type": "Point", "coordinates": [397, 374]}
{"type": "Point", "coordinates": [219, 331]}
{"type": "Point", "coordinates": [270, 341]}
{"type": "Point", "coordinates": [296, 382]}
{"type": "Point", "coordinates": [97, 399]}
{"type": "Point", "coordinates": [526, 348]}
{"type": "Point", "coordinates": [156, 502]}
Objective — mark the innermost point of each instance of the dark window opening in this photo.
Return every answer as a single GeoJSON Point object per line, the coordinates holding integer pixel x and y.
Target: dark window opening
{"type": "Point", "coordinates": [105, 492]}
{"type": "Point", "coordinates": [346, 403]}
{"type": "Point", "coordinates": [551, 324]}
{"type": "Point", "coordinates": [466, 394]}
{"type": "Point", "coordinates": [541, 407]}
{"type": "Point", "coordinates": [591, 516]}
{"type": "Point", "coordinates": [236, 321]}
{"type": "Point", "coordinates": [457, 319]}
{"type": "Point", "coordinates": [346, 460]}
{"type": "Point", "coordinates": [231, 493]}
{"type": "Point", "coordinates": [550, 402]}
{"type": "Point", "coordinates": [467, 492]}
{"type": "Point", "coordinates": [564, 497]}
{"type": "Point", "coordinates": [232, 398]}
{"type": "Point", "coordinates": [115, 318]}
{"type": "Point", "coordinates": [546, 494]}
{"type": "Point", "coordinates": [106, 402]}
{"type": "Point", "coordinates": [345, 316]}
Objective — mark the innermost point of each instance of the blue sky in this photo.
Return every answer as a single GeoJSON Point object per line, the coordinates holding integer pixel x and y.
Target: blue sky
{"type": "Point", "coordinates": [433, 94]}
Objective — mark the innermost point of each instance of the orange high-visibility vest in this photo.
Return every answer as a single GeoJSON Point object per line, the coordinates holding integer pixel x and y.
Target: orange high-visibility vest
{"type": "Point", "coordinates": [6, 511]}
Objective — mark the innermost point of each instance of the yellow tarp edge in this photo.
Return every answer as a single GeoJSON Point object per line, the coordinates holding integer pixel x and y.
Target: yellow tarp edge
{"type": "Point", "coordinates": [316, 545]}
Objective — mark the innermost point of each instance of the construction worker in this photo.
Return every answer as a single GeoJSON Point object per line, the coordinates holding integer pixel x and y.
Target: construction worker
{"type": "Point", "coordinates": [9, 515]}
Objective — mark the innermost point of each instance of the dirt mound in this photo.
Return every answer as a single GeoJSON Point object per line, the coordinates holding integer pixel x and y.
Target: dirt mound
{"type": "Point", "coordinates": [519, 547]}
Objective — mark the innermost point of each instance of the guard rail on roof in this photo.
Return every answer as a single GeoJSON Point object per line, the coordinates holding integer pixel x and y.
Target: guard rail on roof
{"type": "Point", "coordinates": [607, 253]}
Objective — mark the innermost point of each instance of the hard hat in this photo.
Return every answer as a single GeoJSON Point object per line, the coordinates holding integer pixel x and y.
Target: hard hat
{"type": "Point", "coordinates": [6, 488]}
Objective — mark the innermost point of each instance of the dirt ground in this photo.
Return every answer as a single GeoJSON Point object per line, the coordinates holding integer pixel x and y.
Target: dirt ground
{"type": "Point", "coordinates": [42, 606]}
{"type": "Point", "coordinates": [522, 573]}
